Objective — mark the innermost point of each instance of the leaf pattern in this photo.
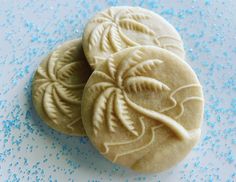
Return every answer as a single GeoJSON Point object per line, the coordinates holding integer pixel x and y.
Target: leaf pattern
{"type": "Point", "coordinates": [41, 89]}
{"type": "Point", "coordinates": [134, 58]}
{"type": "Point", "coordinates": [105, 45]}
{"type": "Point", "coordinates": [68, 70]}
{"type": "Point", "coordinates": [143, 67]}
{"type": "Point", "coordinates": [41, 81]}
{"type": "Point", "coordinates": [110, 114]}
{"type": "Point", "coordinates": [61, 105]}
{"type": "Point", "coordinates": [51, 64]}
{"type": "Point", "coordinates": [130, 24]}
{"type": "Point", "coordinates": [100, 74]}
{"type": "Point", "coordinates": [115, 39]}
{"type": "Point", "coordinates": [135, 16]}
{"type": "Point", "coordinates": [137, 56]}
{"type": "Point", "coordinates": [99, 109]}
{"type": "Point", "coordinates": [68, 94]}
{"type": "Point", "coordinates": [97, 87]}
{"type": "Point", "coordinates": [110, 12]}
{"type": "Point", "coordinates": [100, 19]}
{"type": "Point", "coordinates": [57, 84]}
{"type": "Point", "coordinates": [122, 113]}
{"type": "Point", "coordinates": [41, 72]}
{"type": "Point", "coordinates": [111, 68]}
{"type": "Point", "coordinates": [105, 15]}
{"type": "Point", "coordinates": [126, 39]}
{"type": "Point", "coordinates": [67, 57]}
{"type": "Point", "coordinates": [96, 34]}
{"type": "Point", "coordinates": [48, 103]}
{"type": "Point", "coordinates": [142, 83]}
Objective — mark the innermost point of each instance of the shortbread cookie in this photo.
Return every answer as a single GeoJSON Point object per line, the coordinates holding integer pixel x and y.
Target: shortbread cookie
{"type": "Point", "coordinates": [142, 108]}
{"type": "Point", "coordinates": [120, 27]}
{"type": "Point", "coordinates": [58, 86]}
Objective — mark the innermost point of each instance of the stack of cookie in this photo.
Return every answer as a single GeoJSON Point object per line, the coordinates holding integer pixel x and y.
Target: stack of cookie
{"type": "Point", "coordinates": [126, 86]}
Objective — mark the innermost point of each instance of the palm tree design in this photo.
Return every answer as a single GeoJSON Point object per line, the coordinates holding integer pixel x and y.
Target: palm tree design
{"type": "Point", "coordinates": [113, 101]}
{"type": "Point", "coordinates": [111, 38]}
{"type": "Point", "coordinates": [109, 31]}
{"type": "Point", "coordinates": [59, 91]}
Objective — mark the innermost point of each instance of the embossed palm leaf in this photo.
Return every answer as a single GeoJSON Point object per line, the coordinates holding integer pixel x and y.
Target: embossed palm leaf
{"type": "Point", "coordinates": [58, 92]}
{"type": "Point", "coordinates": [109, 32]}
{"type": "Point", "coordinates": [113, 104]}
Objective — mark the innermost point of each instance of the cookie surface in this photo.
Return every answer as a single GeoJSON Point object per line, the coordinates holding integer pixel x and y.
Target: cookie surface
{"type": "Point", "coordinates": [143, 108]}
{"type": "Point", "coordinates": [58, 86]}
{"type": "Point", "coordinates": [120, 27]}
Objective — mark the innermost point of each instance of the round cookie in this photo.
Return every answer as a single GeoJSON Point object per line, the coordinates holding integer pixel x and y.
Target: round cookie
{"type": "Point", "coordinates": [58, 86]}
{"type": "Point", "coordinates": [117, 28]}
{"type": "Point", "coordinates": [143, 108]}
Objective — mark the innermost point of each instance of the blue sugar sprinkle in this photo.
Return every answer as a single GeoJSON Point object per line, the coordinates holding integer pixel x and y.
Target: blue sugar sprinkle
{"type": "Point", "coordinates": [207, 2]}
{"type": "Point", "coordinates": [169, 12]}
{"type": "Point", "coordinates": [83, 140]}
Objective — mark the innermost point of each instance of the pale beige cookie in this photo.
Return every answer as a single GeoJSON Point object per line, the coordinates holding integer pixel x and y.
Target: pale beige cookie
{"type": "Point", "coordinates": [143, 108]}
{"type": "Point", "coordinates": [58, 86]}
{"type": "Point", "coordinates": [117, 28]}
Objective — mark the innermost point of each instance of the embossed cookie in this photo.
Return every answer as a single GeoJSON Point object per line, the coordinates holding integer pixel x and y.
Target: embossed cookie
{"type": "Point", "coordinates": [58, 86]}
{"type": "Point", "coordinates": [143, 108]}
{"type": "Point", "coordinates": [120, 27]}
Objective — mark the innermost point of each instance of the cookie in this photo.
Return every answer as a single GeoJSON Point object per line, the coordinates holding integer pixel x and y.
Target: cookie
{"type": "Point", "coordinates": [143, 108]}
{"type": "Point", "coordinates": [58, 86]}
{"type": "Point", "coordinates": [120, 27]}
